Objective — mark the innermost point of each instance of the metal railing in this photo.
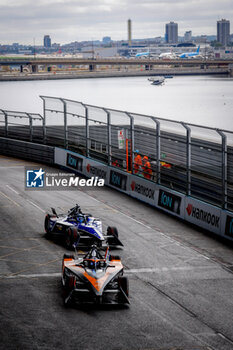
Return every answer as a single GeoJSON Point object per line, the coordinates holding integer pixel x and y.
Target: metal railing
{"type": "Point", "coordinates": [22, 125]}
{"type": "Point", "coordinates": [192, 159]}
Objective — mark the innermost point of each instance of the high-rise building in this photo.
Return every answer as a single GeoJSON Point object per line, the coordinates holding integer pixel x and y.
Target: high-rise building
{"type": "Point", "coordinates": [106, 40]}
{"type": "Point", "coordinates": [47, 41]}
{"type": "Point", "coordinates": [129, 32]}
{"type": "Point", "coordinates": [171, 33]}
{"type": "Point", "coordinates": [188, 36]}
{"type": "Point", "coordinates": [223, 32]}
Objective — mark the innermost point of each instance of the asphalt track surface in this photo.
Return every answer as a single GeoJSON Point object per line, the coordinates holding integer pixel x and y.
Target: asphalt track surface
{"type": "Point", "coordinates": [181, 280]}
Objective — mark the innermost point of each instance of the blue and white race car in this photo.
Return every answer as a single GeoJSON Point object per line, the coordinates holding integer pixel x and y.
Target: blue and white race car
{"type": "Point", "coordinates": [79, 228]}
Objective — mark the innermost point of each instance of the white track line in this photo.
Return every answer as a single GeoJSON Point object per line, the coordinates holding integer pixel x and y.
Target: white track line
{"type": "Point", "coordinates": [127, 272]}
{"type": "Point", "coordinates": [9, 199]}
{"type": "Point", "coordinates": [34, 275]}
{"type": "Point", "coordinates": [12, 189]}
{"type": "Point", "coordinates": [118, 211]}
{"type": "Point", "coordinates": [35, 205]}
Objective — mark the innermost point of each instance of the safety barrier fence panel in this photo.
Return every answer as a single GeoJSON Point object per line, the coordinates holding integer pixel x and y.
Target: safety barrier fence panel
{"type": "Point", "coordinates": [22, 125]}
{"type": "Point", "coordinates": [193, 160]}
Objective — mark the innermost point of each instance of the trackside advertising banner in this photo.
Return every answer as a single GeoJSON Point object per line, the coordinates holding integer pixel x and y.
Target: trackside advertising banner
{"type": "Point", "coordinates": [203, 215]}
{"type": "Point", "coordinates": [118, 179]}
{"type": "Point", "coordinates": [142, 189]}
{"type": "Point", "coordinates": [227, 224]}
{"type": "Point", "coordinates": [171, 201]}
{"type": "Point", "coordinates": [93, 168]}
{"type": "Point", "coordinates": [70, 160]}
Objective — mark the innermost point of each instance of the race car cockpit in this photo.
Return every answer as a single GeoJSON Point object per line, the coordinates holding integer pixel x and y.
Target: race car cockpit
{"type": "Point", "coordinates": [77, 214]}
{"type": "Point", "coordinates": [93, 259]}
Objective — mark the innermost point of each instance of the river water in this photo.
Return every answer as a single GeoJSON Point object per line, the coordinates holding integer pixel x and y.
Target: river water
{"type": "Point", "coordinates": [203, 100]}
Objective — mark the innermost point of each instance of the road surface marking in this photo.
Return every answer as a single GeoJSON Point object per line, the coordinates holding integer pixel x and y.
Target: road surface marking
{"type": "Point", "coordinates": [12, 189]}
{"type": "Point", "coordinates": [18, 273]}
{"type": "Point", "coordinates": [126, 272]}
{"type": "Point", "coordinates": [35, 275]}
{"type": "Point", "coordinates": [35, 205]}
{"type": "Point", "coordinates": [3, 194]}
{"type": "Point", "coordinates": [20, 250]}
{"type": "Point", "coordinates": [118, 211]}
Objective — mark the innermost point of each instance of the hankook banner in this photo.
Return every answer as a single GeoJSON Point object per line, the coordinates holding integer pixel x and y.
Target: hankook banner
{"type": "Point", "coordinates": [203, 214]}
{"type": "Point", "coordinates": [142, 189]}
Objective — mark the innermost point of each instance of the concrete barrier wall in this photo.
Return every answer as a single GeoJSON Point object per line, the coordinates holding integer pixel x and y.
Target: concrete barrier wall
{"type": "Point", "coordinates": [27, 150]}
{"type": "Point", "coordinates": [187, 208]}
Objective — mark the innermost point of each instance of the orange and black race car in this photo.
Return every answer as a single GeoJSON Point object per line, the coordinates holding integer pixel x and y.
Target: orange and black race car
{"type": "Point", "coordinates": [94, 279]}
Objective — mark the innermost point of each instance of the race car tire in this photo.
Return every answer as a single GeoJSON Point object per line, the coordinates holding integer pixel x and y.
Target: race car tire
{"type": "Point", "coordinates": [69, 238]}
{"type": "Point", "coordinates": [75, 234]}
{"type": "Point", "coordinates": [69, 285]}
{"type": "Point", "coordinates": [112, 231]}
{"type": "Point", "coordinates": [114, 257]}
{"type": "Point", "coordinates": [46, 223]}
{"type": "Point", "coordinates": [68, 256]}
{"type": "Point", "coordinates": [124, 284]}
{"type": "Point", "coordinates": [72, 236]}
{"type": "Point", "coordinates": [69, 281]}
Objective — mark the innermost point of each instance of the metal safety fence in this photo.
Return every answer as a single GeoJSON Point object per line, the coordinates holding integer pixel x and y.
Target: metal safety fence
{"type": "Point", "coordinates": [191, 159]}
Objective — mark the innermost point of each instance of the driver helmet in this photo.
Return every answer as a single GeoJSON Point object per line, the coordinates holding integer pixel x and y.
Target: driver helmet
{"type": "Point", "coordinates": [80, 219]}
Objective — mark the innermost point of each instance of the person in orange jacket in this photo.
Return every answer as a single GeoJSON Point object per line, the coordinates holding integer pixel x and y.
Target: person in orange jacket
{"type": "Point", "coordinates": [137, 163]}
{"type": "Point", "coordinates": [147, 171]}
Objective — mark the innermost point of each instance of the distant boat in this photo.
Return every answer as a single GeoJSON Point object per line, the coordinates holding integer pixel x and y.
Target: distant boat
{"type": "Point", "coordinates": [156, 80]}
{"type": "Point", "coordinates": [168, 76]}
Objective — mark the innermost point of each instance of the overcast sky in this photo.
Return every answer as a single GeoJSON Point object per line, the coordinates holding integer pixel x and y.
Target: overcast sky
{"type": "Point", "coordinates": [77, 20]}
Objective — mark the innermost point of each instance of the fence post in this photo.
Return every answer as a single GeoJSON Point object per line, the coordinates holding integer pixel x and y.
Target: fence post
{"type": "Point", "coordinates": [188, 159]}
{"type": "Point", "coordinates": [6, 123]}
{"type": "Point", "coordinates": [30, 126]}
{"type": "Point", "coordinates": [66, 144]}
{"type": "Point", "coordinates": [87, 130]}
{"type": "Point", "coordinates": [44, 121]}
{"type": "Point", "coordinates": [158, 149]}
{"type": "Point", "coordinates": [132, 141]}
{"type": "Point", "coordinates": [224, 168]}
{"type": "Point", "coordinates": [109, 135]}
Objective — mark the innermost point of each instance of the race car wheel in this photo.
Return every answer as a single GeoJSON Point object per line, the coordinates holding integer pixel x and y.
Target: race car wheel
{"type": "Point", "coordinates": [75, 234]}
{"type": "Point", "coordinates": [124, 284]}
{"type": "Point", "coordinates": [46, 223]}
{"type": "Point", "coordinates": [114, 257]}
{"type": "Point", "coordinates": [72, 236]}
{"type": "Point", "coordinates": [69, 238]}
{"type": "Point", "coordinates": [70, 282]}
{"type": "Point", "coordinates": [68, 256]}
{"type": "Point", "coordinates": [112, 231]}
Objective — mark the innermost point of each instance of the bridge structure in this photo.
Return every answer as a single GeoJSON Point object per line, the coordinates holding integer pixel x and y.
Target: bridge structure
{"type": "Point", "coordinates": [33, 64]}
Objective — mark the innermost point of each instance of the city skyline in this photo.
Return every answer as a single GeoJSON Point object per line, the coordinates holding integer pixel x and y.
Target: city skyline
{"type": "Point", "coordinates": [72, 20]}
